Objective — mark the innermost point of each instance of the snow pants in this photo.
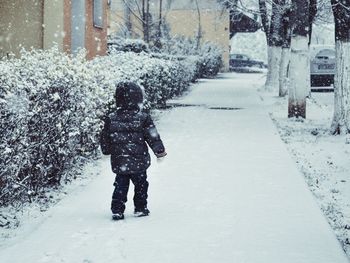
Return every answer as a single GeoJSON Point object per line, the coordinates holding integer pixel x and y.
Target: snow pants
{"type": "Point", "coordinates": [120, 192]}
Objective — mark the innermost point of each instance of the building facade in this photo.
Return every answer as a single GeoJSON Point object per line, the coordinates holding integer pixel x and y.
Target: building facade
{"type": "Point", "coordinates": [183, 18]}
{"type": "Point", "coordinates": [41, 24]}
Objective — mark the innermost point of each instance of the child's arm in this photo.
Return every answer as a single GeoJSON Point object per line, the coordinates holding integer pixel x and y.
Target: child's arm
{"type": "Point", "coordinates": [105, 138]}
{"type": "Point", "coordinates": [153, 139]}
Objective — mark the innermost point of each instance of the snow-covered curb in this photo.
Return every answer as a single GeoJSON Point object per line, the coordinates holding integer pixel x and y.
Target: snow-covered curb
{"type": "Point", "coordinates": [322, 158]}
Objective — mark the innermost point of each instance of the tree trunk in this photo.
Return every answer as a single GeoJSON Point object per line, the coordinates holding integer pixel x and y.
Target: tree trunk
{"type": "Point", "coordinates": [264, 17]}
{"type": "Point", "coordinates": [274, 61]}
{"type": "Point", "coordinates": [341, 118]}
{"type": "Point", "coordinates": [160, 18]}
{"type": "Point", "coordinates": [312, 15]}
{"type": "Point", "coordinates": [283, 74]}
{"type": "Point", "coordinates": [299, 70]}
{"type": "Point", "coordinates": [144, 19]}
{"type": "Point", "coordinates": [284, 66]}
{"type": "Point", "coordinates": [158, 42]}
{"type": "Point", "coordinates": [266, 26]}
{"type": "Point", "coordinates": [199, 33]}
{"type": "Point", "coordinates": [274, 40]}
{"type": "Point", "coordinates": [147, 29]}
{"type": "Point", "coordinates": [128, 24]}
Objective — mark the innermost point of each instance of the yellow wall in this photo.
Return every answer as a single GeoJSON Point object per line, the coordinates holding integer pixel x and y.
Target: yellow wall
{"type": "Point", "coordinates": [20, 25]}
{"type": "Point", "coordinates": [30, 24]}
{"type": "Point", "coordinates": [215, 26]}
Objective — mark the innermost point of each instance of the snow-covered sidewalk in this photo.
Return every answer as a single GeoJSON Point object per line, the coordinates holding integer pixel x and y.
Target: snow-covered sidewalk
{"type": "Point", "coordinates": [227, 192]}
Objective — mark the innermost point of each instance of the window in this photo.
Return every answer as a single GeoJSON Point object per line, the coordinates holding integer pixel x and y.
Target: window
{"type": "Point", "coordinates": [98, 13]}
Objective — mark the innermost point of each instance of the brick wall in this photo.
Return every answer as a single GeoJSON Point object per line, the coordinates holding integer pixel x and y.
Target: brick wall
{"type": "Point", "coordinates": [95, 38]}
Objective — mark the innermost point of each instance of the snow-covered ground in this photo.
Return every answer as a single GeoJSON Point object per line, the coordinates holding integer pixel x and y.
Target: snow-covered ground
{"type": "Point", "coordinates": [229, 191]}
{"type": "Point", "coordinates": [322, 158]}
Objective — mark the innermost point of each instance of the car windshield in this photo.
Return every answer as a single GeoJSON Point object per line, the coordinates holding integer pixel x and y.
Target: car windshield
{"type": "Point", "coordinates": [239, 56]}
{"type": "Point", "coordinates": [326, 54]}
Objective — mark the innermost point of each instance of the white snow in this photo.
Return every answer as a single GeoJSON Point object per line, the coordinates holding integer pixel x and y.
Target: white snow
{"type": "Point", "coordinates": [251, 44]}
{"type": "Point", "coordinates": [228, 191]}
{"type": "Point", "coordinates": [322, 157]}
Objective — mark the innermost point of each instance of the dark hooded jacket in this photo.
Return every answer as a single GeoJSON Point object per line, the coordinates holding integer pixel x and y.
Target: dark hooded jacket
{"type": "Point", "coordinates": [126, 132]}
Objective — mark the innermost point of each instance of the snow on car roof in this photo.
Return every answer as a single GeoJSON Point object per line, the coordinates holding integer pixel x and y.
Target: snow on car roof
{"type": "Point", "coordinates": [314, 49]}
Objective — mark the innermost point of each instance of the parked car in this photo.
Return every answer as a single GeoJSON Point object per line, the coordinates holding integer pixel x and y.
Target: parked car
{"type": "Point", "coordinates": [322, 65]}
{"type": "Point", "coordinates": [242, 61]}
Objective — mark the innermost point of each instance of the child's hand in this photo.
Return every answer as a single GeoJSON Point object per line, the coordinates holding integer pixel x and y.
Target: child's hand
{"type": "Point", "coordinates": [161, 155]}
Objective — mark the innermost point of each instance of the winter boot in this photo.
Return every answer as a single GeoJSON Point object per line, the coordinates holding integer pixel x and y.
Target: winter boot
{"type": "Point", "coordinates": [118, 216]}
{"type": "Point", "coordinates": [139, 212]}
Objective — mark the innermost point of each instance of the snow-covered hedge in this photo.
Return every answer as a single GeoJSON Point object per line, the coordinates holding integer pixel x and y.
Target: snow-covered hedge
{"type": "Point", "coordinates": [210, 60]}
{"type": "Point", "coordinates": [161, 78]}
{"type": "Point", "coordinates": [51, 107]}
{"type": "Point", "coordinates": [127, 45]}
{"type": "Point", "coordinates": [209, 55]}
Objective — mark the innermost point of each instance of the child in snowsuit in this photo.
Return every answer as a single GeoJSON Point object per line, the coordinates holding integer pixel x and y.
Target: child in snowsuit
{"type": "Point", "coordinates": [124, 136]}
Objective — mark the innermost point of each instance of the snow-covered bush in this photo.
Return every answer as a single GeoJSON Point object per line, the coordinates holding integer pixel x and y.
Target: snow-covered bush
{"type": "Point", "coordinates": [51, 106]}
{"type": "Point", "coordinates": [166, 79]}
{"type": "Point", "coordinates": [210, 60]}
{"type": "Point", "coordinates": [209, 55]}
{"type": "Point", "coordinates": [161, 78]}
{"type": "Point", "coordinates": [127, 45]}
{"type": "Point", "coordinates": [14, 116]}
{"type": "Point", "coordinates": [190, 63]}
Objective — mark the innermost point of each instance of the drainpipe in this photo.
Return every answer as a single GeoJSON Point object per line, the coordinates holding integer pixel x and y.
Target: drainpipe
{"type": "Point", "coordinates": [43, 31]}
